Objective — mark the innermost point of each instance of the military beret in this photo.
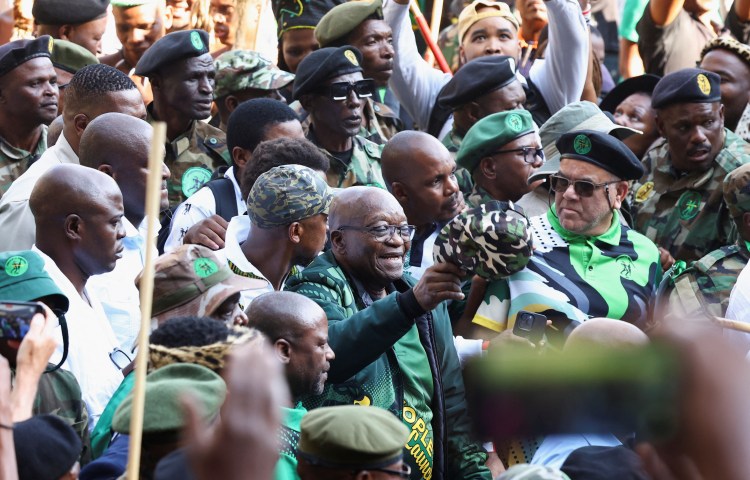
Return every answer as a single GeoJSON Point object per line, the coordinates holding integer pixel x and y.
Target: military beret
{"type": "Point", "coordinates": [46, 447]}
{"type": "Point", "coordinates": [237, 70]}
{"type": "Point", "coordinates": [296, 14]}
{"type": "Point", "coordinates": [490, 134]}
{"type": "Point", "coordinates": [602, 150]}
{"type": "Point", "coordinates": [351, 436]}
{"type": "Point", "coordinates": [24, 279]}
{"type": "Point", "coordinates": [476, 78]}
{"type": "Point", "coordinates": [640, 84]}
{"type": "Point", "coordinates": [479, 10]}
{"type": "Point", "coordinates": [18, 52]}
{"type": "Point", "coordinates": [70, 56]}
{"type": "Point", "coordinates": [730, 44]}
{"type": "Point", "coordinates": [171, 48]}
{"type": "Point", "coordinates": [69, 12]}
{"type": "Point", "coordinates": [164, 387]}
{"type": "Point", "coordinates": [343, 19]}
{"type": "Point", "coordinates": [323, 64]}
{"type": "Point", "coordinates": [689, 85]}
{"type": "Point", "coordinates": [132, 3]}
{"type": "Point", "coordinates": [737, 190]}
{"type": "Point", "coordinates": [287, 194]}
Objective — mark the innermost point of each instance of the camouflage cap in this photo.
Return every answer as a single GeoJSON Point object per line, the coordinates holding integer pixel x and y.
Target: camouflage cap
{"type": "Point", "coordinates": [193, 280]}
{"type": "Point", "coordinates": [737, 191]}
{"type": "Point", "coordinates": [287, 194]}
{"type": "Point", "coordinates": [237, 70]}
{"type": "Point", "coordinates": [492, 240]}
{"type": "Point", "coordinates": [24, 279]}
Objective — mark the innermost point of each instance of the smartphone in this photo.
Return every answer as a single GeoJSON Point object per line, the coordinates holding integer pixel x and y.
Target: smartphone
{"type": "Point", "coordinates": [530, 326]}
{"type": "Point", "coordinates": [15, 318]}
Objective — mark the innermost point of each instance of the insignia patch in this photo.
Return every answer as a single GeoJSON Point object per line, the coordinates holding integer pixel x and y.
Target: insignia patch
{"type": "Point", "coordinates": [16, 266]}
{"type": "Point", "coordinates": [625, 264]}
{"type": "Point", "coordinates": [514, 122]}
{"type": "Point", "coordinates": [204, 267]}
{"type": "Point", "coordinates": [644, 191]}
{"type": "Point", "coordinates": [582, 144]}
{"type": "Point", "coordinates": [688, 205]}
{"type": "Point", "coordinates": [193, 179]}
{"type": "Point", "coordinates": [195, 39]}
{"type": "Point", "coordinates": [50, 45]}
{"type": "Point", "coordinates": [703, 84]}
{"type": "Point", "coordinates": [351, 57]}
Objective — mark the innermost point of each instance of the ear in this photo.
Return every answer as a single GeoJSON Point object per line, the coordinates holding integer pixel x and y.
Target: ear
{"type": "Point", "coordinates": [338, 244]}
{"type": "Point", "coordinates": [721, 113]}
{"type": "Point", "coordinates": [296, 230]}
{"type": "Point", "coordinates": [241, 156]}
{"type": "Point", "coordinates": [487, 167]}
{"type": "Point", "coordinates": [231, 102]}
{"type": "Point", "coordinates": [168, 15]}
{"type": "Point", "coordinates": [472, 111]}
{"type": "Point", "coordinates": [621, 192]}
{"type": "Point", "coordinates": [283, 350]}
{"type": "Point", "coordinates": [73, 227]}
{"type": "Point", "coordinates": [104, 168]}
{"type": "Point", "coordinates": [64, 31]}
{"type": "Point", "coordinates": [307, 102]}
{"type": "Point", "coordinates": [659, 124]}
{"type": "Point", "coordinates": [461, 55]}
{"type": "Point", "coordinates": [398, 191]}
{"type": "Point", "coordinates": [80, 122]}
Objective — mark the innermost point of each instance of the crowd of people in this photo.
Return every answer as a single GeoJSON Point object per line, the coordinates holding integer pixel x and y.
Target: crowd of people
{"type": "Point", "coordinates": [357, 248]}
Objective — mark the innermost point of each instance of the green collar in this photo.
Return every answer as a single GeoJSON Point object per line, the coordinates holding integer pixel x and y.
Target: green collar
{"type": "Point", "coordinates": [293, 416]}
{"type": "Point", "coordinates": [611, 236]}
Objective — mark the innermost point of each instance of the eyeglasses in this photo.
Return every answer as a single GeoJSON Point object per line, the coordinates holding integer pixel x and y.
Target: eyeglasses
{"type": "Point", "coordinates": [535, 152]}
{"type": "Point", "coordinates": [583, 188]}
{"type": "Point", "coordinates": [341, 90]}
{"type": "Point", "coordinates": [382, 233]}
{"type": "Point", "coordinates": [119, 358]}
{"type": "Point", "coordinates": [405, 471]}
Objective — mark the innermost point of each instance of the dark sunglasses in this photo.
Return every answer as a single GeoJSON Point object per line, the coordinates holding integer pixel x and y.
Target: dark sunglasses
{"type": "Point", "coordinates": [529, 153]}
{"type": "Point", "coordinates": [341, 90]}
{"type": "Point", "coordinates": [583, 188]}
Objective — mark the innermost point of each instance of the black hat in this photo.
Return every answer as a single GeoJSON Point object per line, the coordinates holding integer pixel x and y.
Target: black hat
{"type": "Point", "coordinates": [478, 77]}
{"type": "Point", "coordinates": [640, 84]}
{"type": "Point", "coordinates": [46, 448]}
{"type": "Point", "coordinates": [171, 48]}
{"type": "Point", "coordinates": [603, 463]}
{"type": "Point", "coordinates": [15, 53]}
{"type": "Point", "coordinates": [323, 64]}
{"type": "Point", "coordinates": [602, 150]}
{"type": "Point", "coordinates": [69, 12]}
{"type": "Point", "coordinates": [689, 85]}
{"type": "Point", "coordinates": [296, 14]}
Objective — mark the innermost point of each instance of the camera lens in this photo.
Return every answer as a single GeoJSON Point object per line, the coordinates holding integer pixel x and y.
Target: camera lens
{"type": "Point", "coordinates": [527, 321]}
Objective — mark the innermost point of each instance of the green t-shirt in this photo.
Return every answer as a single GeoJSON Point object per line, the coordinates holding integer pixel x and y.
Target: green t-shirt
{"type": "Point", "coordinates": [632, 11]}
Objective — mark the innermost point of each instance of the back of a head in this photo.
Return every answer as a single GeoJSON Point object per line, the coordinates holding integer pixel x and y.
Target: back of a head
{"type": "Point", "coordinates": [606, 333]}
{"type": "Point", "coordinates": [112, 138]}
{"type": "Point", "coordinates": [248, 123]}
{"type": "Point", "coordinates": [189, 332]}
{"type": "Point", "coordinates": [90, 83]}
{"type": "Point", "coordinates": [283, 314]}
{"type": "Point", "coordinates": [406, 145]}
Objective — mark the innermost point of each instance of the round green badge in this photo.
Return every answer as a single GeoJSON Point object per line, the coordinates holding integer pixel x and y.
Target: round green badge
{"type": "Point", "coordinates": [689, 204]}
{"type": "Point", "coordinates": [514, 122]}
{"type": "Point", "coordinates": [193, 179]}
{"type": "Point", "coordinates": [16, 266]}
{"type": "Point", "coordinates": [582, 144]}
{"type": "Point", "coordinates": [204, 267]}
{"type": "Point", "coordinates": [195, 39]}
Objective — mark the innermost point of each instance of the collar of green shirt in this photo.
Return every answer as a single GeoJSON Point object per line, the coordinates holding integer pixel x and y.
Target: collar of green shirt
{"type": "Point", "coordinates": [611, 236]}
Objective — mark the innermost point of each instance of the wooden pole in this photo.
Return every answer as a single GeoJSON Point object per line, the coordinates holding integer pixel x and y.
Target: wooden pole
{"type": "Point", "coordinates": [425, 29]}
{"type": "Point", "coordinates": [153, 199]}
{"type": "Point", "coordinates": [435, 20]}
{"type": "Point", "coordinates": [732, 324]}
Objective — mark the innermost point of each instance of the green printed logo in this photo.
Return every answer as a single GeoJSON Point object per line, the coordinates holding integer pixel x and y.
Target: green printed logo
{"type": "Point", "coordinates": [514, 122]}
{"type": "Point", "coordinates": [193, 179]}
{"type": "Point", "coordinates": [688, 205]}
{"type": "Point", "coordinates": [204, 267]}
{"type": "Point", "coordinates": [625, 265]}
{"type": "Point", "coordinates": [582, 144]}
{"type": "Point", "coordinates": [16, 266]}
{"type": "Point", "coordinates": [195, 39]}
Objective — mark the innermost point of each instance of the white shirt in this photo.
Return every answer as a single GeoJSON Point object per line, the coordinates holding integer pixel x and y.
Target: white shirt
{"type": "Point", "coordinates": [91, 340]}
{"type": "Point", "coordinates": [199, 206]}
{"type": "Point", "coordinates": [739, 309]}
{"type": "Point", "coordinates": [15, 214]}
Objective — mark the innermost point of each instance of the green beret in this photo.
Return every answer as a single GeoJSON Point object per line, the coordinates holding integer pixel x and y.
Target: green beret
{"type": "Point", "coordinates": [737, 190]}
{"type": "Point", "coordinates": [602, 150]}
{"type": "Point", "coordinates": [16, 53]}
{"type": "Point", "coordinates": [237, 70]}
{"type": "Point", "coordinates": [296, 14]}
{"type": "Point", "coordinates": [164, 387]}
{"type": "Point", "coordinates": [70, 56]}
{"type": "Point", "coordinates": [24, 279]}
{"type": "Point", "coordinates": [476, 78]}
{"type": "Point", "coordinates": [689, 85]}
{"type": "Point", "coordinates": [68, 12]}
{"type": "Point", "coordinates": [287, 194]}
{"type": "Point", "coordinates": [323, 64]}
{"type": "Point", "coordinates": [351, 436]}
{"type": "Point", "coordinates": [171, 48]}
{"type": "Point", "coordinates": [490, 134]}
{"type": "Point", "coordinates": [342, 19]}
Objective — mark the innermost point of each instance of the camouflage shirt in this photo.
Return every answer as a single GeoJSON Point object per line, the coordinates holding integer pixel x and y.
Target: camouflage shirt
{"type": "Point", "coordinates": [448, 43]}
{"type": "Point", "coordinates": [363, 167]}
{"type": "Point", "coordinates": [705, 287]}
{"type": "Point", "coordinates": [686, 214]}
{"type": "Point", "coordinates": [192, 158]}
{"type": "Point", "coordinates": [477, 196]}
{"type": "Point", "coordinates": [15, 161]}
{"type": "Point", "coordinates": [452, 142]}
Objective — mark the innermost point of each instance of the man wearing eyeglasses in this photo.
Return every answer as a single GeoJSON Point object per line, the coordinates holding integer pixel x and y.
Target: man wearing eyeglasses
{"type": "Point", "coordinates": [391, 334]}
{"type": "Point", "coordinates": [330, 86]}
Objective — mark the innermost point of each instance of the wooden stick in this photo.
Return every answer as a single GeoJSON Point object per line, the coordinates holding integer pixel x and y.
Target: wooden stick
{"type": "Point", "coordinates": [435, 20]}
{"type": "Point", "coordinates": [425, 29]}
{"type": "Point", "coordinates": [732, 324]}
{"type": "Point", "coordinates": [153, 199]}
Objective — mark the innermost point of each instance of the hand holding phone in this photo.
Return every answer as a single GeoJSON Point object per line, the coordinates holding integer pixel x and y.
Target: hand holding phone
{"type": "Point", "coordinates": [15, 318]}
{"type": "Point", "coordinates": [530, 326]}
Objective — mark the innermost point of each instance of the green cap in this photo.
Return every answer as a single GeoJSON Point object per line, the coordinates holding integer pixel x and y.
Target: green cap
{"type": "Point", "coordinates": [237, 70]}
{"type": "Point", "coordinates": [23, 279]}
{"type": "Point", "coordinates": [342, 19]}
{"type": "Point", "coordinates": [737, 190]}
{"type": "Point", "coordinates": [287, 194]}
{"type": "Point", "coordinates": [164, 387]}
{"type": "Point", "coordinates": [490, 134]}
{"type": "Point", "coordinates": [71, 57]}
{"type": "Point", "coordinates": [351, 436]}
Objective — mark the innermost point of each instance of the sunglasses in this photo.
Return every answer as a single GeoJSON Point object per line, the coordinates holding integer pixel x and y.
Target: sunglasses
{"type": "Point", "coordinates": [527, 158]}
{"type": "Point", "coordinates": [340, 90]}
{"type": "Point", "coordinates": [583, 188]}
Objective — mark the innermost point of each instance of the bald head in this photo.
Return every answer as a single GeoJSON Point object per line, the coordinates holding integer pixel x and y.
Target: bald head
{"type": "Point", "coordinates": [283, 315]}
{"type": "Point", "coordinates": [353, 204]}
{"type": "Point", "coordinates": [408, 152]}
{"type": "Point", "coordinates": [606, 333]}
{"type": "Point", "coordinates": [115, 139]}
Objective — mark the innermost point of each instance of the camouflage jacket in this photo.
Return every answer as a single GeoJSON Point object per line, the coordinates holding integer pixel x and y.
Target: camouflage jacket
{"type": "Point", "coordinates": [477, 196]}
{"type": "Point", "coordinates": [14, 161]}
{"type": "Point", "coordinates": [362, 169]}
{"type": "Point", "coordinates": [705, 286]}
{"type": "Point", "coordinates": [452, 142]}
{"type": "Point", "coordinates": [192, 158]}
{"type": "Point", "coordinates": [449, 43]}
{"type": "Point", "coordinates": [686, 214]}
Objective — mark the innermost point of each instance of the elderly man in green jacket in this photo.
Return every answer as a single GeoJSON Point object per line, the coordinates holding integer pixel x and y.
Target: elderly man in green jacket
{"type": "Point", "coordinates": [391, 335]}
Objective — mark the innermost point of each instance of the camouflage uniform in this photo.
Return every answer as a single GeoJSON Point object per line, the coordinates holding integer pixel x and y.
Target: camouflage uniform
{"type": "Point", "coordinates": [192, 158]}
{"type": "Point", "coordinates": [448, 43]}
{"type": "Point", "coordinates": [686, 215]}
{"type": "Point", "coordinates": [14, 161]}
{"type": "Point", "coordinates": [477, 196]}
{"type": "Point", "coordinates": [363, 168]}
{"type": "Point", "coordinates": [452, 142]}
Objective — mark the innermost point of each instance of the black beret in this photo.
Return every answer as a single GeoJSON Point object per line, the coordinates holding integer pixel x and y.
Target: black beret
{"type": "Point", "coordinates": [602, 150]}
{"type": "Point", "coordinates": [171, 48]}
{"type": "Point", "coordinates": [478, 77]}
{"type": "Point", "coordinates": [295, 14]}
{"type": "Point", "coordinates": [15, 53]}
{"type": "Point", "coordinates": [689, 85]}
{"type": "Point", "coordinates": [640, 84]}
{"type": "Point", "coordinates": [46, 447]}
{"type": "Point", "coordinates": [323, 64]}
{"type": "Point", "coordinates": [600, 463]}
{"type": "Point", "coordinates": [68, 12]}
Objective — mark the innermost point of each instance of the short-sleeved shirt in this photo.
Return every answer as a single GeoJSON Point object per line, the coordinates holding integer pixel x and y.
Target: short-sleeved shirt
{"type": "Point", "coordinates": [632, 12]}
